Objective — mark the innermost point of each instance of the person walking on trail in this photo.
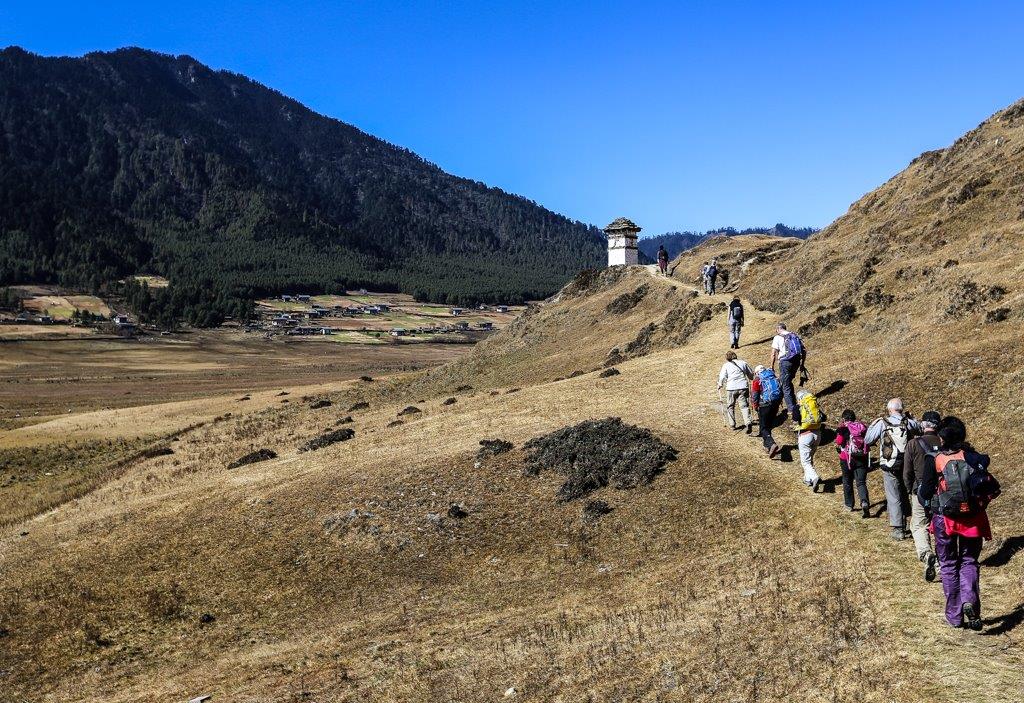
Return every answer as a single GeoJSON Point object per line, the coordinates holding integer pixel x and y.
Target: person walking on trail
{"type": "Point", "coordinates": [733, 377]}
{"type": "Point", "coordinates": [766, 396]}
{"type": "Point", "coordinates": [809, 435]}
{"type": "Point", "coordinates": [704, 275]}
{"type": "Point", "coordinates": [735, 321]}
{"type": "Point", "coordinates": [853, 461]}
{"type": "Point", "coordinates": [892, 434]}
{"type": "Point", "coordinates": [917, 452]}
{"type": "Point", "coordinates": [789, 353]}
{"type": "Point", "coordinates": [663, 259]}
{"type": "Point", "coordinates": [712, 275]}
{"type": "Point", "coordinates": [957, 487]}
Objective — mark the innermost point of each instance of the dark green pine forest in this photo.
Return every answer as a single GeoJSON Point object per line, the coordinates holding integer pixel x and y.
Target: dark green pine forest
{"type": "Point", "coordinates": [135, 162]}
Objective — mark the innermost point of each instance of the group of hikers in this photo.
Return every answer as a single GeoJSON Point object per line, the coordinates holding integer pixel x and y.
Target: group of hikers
{"type": "Point", "coordinates": [937, 487]}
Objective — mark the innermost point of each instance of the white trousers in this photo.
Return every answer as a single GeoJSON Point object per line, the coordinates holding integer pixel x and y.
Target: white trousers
{"type": "Point", "coordinates": [807, 443]}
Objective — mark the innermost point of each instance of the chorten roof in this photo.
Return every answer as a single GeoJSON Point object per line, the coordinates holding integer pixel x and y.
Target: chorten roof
{"type": "Point", "coordinates": [622, 224]}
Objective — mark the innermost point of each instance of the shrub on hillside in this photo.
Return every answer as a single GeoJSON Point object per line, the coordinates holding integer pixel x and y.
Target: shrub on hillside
{"type": "Point", "coordinates": [493, 447]}
{"type": "Point", "coordinates": [253, 457]}
{"type": "Point", "coordinates": [598, 453]}
{"type": "Point", "coordinates": [327, 439]}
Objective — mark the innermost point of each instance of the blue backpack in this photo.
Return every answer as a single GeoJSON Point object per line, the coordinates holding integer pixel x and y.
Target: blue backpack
{"type": "Point", "coordinates": [794, 347]}
{"type": "Point", "coordinates": [771, 389]}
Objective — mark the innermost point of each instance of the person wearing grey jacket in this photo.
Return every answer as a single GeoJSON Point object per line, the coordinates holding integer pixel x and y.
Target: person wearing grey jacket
{"type": "Point", "coordinates": [892, 434]}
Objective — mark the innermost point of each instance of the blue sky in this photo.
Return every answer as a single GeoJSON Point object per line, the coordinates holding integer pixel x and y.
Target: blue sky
{"type": "Point", "coordinates": [678, 115]}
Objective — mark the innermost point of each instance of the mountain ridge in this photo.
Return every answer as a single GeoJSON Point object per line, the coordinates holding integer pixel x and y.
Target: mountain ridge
{"type": "Point", "coordinates": [133, 161]}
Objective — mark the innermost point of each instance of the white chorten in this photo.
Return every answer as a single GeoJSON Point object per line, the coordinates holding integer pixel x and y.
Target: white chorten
{"type": "Point", "coordinates": [622, 249]}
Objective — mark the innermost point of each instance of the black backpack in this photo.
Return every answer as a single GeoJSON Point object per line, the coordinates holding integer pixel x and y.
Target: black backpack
{"type": "Point", "coordinates": [964, 489]}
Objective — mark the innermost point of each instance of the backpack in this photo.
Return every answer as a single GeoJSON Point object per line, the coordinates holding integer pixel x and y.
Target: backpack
{"type": "Point", "coordinates": [712, 271]}
{"type": "Point", "coordinates": [964, 489]}
{"type": "Point", "coordinates": [811, 416]}
{"type": "Point", "coordinates": [771, 389]}
{"type": "Point", "coordinates": [856, 446]}
{"type": "Point", "coordinates": [893, 444]}
{"type": "Point", "coordinates": [794, 347]}
{"type": "Point", "coordinates": [736, 312]}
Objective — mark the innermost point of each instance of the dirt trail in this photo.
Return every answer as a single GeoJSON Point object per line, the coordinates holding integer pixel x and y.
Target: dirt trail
{"type": "Point", "coordinates": [996, 656]}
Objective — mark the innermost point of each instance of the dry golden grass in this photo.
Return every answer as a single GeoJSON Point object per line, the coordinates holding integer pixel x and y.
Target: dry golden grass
{"type": "Point", "coordinates": [722, 580]}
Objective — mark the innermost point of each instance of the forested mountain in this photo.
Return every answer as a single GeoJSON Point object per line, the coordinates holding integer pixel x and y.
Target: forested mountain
{"type": "Point", "coordinates": [678, 242]}
{"type": "Point", "coordinates": [137, 162]}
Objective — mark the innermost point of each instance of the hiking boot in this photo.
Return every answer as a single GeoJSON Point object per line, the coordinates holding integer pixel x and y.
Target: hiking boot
{"type": "Point", "coordinates": [929, 567]}
{"type": "Point", "coordinates": [814, 485]}
{"type": "Point", "coordinates": [865, 511]}
{"type": "Point", "coordinates": [750, 429]}
{"type": "Point", "coordinates": [774, 451]}
{"type": "Point", "coordinates": [973, 620]}
{"type": "Point", "coordinates": [898, 534]}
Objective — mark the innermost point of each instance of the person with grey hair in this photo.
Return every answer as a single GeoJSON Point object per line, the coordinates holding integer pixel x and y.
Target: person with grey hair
{"type": "Point", "coordinates": [892, 433]}
{"type": "Point", "coordinates": [917, 453]}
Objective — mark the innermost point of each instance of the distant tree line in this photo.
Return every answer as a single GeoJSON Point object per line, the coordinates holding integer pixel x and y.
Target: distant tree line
{"type": "Point", "coordinates": [678, 242]}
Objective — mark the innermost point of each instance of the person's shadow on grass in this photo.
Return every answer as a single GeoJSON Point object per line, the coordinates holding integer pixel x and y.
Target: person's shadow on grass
{"type": "Point", "coordinates": [1008, 549]}
{"type": "Point", "coordinates": [833, 387]}
{"type": "Point", "coordinates": [1006, 622]}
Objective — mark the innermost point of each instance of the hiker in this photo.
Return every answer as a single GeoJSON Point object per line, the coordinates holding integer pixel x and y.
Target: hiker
{"type": "Point", "coordinates": [892, 433]}
{"type": "Point", "coordinates": [913, 467]}
{"type": "Point", "coordinates": [957, 487]}
{"type": "Point", "coordinates": [809, 435]}
{"type": "Point", "coordinates": [853, 461]}
{"type": "Point", "coordinates": [735, 321]}
{"type": "Point", "coordinates": [766, 395]}
{"type": "Point", "coordinates": [663, 259]}
{"type": "Point", "coordinates": [704, 275]}
{"type": "Point", "coordinates": [712, 275]}
{"type": "Point", "coordinates": [789, 353]}
{"type": "Point", "coordinates": [734, 375]}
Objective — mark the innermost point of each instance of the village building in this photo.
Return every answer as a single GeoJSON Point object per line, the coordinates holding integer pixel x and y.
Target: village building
{"type": "Point", "coordinates": [622, 249]}
{"type": "Point", "coordinates": [457, 311]}
{"type": "Point", "coordinates": [398, 332]}
{"type": "Point", "coordinates": [501, 308]}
